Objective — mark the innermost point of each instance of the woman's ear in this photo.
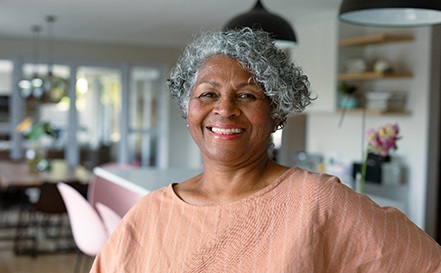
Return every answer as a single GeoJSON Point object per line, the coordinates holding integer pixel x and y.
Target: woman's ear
{"type": "Point", "coordinates": [276, 124]}
{"type": "Point", "coordinates": [279, 123]}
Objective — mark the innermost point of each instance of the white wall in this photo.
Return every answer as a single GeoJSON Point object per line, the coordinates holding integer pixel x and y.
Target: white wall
{"type": "Point", "coordinates": [317, 54]}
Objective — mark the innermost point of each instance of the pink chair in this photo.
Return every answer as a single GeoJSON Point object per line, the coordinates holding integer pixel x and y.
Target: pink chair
{"type": "Point", "coordinates": [88, 230]}
{"type": "Point", "coordinates": [114, 196]}
{"type": "Point", "coordinates": [110, 218]}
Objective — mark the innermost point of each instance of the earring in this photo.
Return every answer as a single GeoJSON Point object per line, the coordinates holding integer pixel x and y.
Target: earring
{"type": "Point", "coordinates": [188, 125]}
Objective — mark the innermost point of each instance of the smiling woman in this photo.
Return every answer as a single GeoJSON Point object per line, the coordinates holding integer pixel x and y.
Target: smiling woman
{"type": "Point", "coordinates": [245, 212]}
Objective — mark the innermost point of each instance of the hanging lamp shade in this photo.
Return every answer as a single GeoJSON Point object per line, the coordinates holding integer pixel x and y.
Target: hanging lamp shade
{"type": "Point", "coordinates": [391, 13]}
{"type": "Point", "coordinates": [55, 88]}
{"type": "Point", "coordinates": [260, 18]}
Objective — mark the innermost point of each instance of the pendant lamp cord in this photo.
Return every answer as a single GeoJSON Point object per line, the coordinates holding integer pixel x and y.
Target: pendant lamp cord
{"type": "Point", "coordinates": [50, 46]}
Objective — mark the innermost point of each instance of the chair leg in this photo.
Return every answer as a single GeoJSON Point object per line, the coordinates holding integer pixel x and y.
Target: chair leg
{"type": "Point", "coordinates": [22, 234]}
{"type": "Point", "coordinates": [78, 261]}
{"type": "Point", "coordinates": [83, 262]}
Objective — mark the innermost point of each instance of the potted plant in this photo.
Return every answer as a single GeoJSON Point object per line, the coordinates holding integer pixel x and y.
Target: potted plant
{"type": "Point", "coordinates": [348, 98]}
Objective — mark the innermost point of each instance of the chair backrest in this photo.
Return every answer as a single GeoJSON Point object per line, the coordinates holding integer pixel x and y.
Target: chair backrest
{"type": "Point", "coordinates": [87, 227]}
{"type": "Point", "coordinates": [113, 195]}
{"type": "Point", "coordinates": [110, 218]}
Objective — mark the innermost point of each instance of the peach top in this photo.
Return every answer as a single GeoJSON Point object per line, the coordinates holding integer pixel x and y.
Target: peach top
{"type": "Point", "coordinates": [302, 222]}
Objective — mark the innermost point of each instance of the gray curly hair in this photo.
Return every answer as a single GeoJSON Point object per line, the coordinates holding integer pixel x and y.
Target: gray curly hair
{"type": "Point", "coordinates": [282, 81]}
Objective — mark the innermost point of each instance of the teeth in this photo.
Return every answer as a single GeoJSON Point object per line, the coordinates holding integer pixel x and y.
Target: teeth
{"type": "Point", "coordinates": [226, 131]}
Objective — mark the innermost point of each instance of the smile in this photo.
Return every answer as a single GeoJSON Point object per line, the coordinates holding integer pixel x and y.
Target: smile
{"type": "Point", "coordinates": [225, 131]}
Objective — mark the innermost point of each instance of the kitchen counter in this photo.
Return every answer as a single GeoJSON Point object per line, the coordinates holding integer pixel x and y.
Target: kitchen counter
{"type": "Point", "coordinates": [145, 180]}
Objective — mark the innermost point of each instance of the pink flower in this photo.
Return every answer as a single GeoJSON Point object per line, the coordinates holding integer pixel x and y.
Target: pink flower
{"type": "Point", "coordinates": [383, 140]}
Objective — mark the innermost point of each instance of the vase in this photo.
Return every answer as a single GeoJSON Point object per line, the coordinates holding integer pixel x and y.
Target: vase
{"type": "Point", "coordinates": [36, 157]}
{"type": "Point", "coordinates": [348, 102]}
{"type": "Point", "coordinates": [392, 173]}
{"type": "Point", "coordinates": [358, 185]}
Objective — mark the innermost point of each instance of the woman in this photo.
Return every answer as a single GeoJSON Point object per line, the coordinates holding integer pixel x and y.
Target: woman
{"type": "Point", "coordinates": [245, 212]}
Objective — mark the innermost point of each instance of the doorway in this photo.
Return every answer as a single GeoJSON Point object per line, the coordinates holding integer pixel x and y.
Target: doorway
{"type": "Point", "coordinates": [438, 231]}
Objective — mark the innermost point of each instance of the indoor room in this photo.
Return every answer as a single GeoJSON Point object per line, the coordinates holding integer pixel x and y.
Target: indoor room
{"type": "Point", "coordinates": [85, 103]}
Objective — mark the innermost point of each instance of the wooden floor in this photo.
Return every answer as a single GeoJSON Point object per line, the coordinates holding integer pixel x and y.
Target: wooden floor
{"type": "Point", "coordinates": [53, 261]}
{"type": "Point", "coordinates": [48, 263]}
{"type": "Point", "coordinates": [60, 262]}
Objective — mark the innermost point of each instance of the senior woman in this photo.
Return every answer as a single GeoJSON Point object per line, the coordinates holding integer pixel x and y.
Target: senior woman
{"type": "Point", "coordinates": [245, 212]}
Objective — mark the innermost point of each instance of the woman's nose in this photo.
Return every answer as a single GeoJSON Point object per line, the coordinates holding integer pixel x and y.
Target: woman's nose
{"type": "Point", "coordinates": [226, 106]}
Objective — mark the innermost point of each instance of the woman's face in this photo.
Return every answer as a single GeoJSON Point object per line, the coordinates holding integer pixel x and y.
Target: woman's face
{"type": "Point", "coordinates": [229, 116]}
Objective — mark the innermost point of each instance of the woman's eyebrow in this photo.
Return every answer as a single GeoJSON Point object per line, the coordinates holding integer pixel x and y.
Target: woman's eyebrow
{"type": "Point", "coordinates": [247, 84]}
{"type": "Point", "coordinates": [210, 82]}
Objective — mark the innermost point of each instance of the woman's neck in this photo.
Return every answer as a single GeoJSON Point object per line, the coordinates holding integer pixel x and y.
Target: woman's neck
{"type": "Point", "coordinates": [221, 184]}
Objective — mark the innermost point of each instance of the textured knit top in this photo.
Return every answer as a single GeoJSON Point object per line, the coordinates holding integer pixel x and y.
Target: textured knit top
{"type": "Point", "coordinates": [302, 222]}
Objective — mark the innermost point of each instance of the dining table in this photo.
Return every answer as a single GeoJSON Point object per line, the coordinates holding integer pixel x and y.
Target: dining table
{"type": "Point", "coordinates": [19, 174]}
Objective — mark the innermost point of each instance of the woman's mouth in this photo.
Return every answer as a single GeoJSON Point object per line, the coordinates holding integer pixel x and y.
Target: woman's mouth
{"type": "Point", "coordinates": [224, 131]}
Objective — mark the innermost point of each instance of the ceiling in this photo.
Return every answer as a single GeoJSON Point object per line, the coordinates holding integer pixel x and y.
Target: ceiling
{"type": "Point", "coordinates": [142, 22]}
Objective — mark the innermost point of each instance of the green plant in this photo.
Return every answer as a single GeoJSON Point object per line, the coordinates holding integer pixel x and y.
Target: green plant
{"type": "Point", "coordinates": [348, 89]}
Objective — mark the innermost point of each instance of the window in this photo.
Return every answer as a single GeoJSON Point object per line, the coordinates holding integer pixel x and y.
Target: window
{"type": "Point", "coordinates": [143, 116]}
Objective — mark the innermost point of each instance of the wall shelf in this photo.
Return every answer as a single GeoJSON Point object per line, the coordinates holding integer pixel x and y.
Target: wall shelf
{"type": "Point", "coordinates": [375, 112]}
{"type": "Point", "coordinates": [375, 39]}
{"type": "Point", "coordinates": [372, 76]}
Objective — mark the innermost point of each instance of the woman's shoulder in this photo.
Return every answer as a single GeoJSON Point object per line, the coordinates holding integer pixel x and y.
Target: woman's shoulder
{"type": "Point", "coordinates": [305, 178]}
{"type": "Point", "coordinates": [152, 201]}
{"type": "Point", "coordinates": [157, 196]}
{"type": "Point", "coordinates": [318, 190]}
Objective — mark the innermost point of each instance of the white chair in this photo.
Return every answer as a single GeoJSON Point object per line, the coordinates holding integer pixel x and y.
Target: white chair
{"type": "Point", "coordinates": [110, 218]}
{"type": "Point", "coordinates": [88, 229]}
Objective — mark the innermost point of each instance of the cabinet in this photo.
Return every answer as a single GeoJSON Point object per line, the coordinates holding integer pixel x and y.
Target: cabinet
{"type": "Point", "coordinates": [364, 78]}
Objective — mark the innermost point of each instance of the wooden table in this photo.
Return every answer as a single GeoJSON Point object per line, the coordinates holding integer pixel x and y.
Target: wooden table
{"type": "Point", "coordinates": [17, 174]}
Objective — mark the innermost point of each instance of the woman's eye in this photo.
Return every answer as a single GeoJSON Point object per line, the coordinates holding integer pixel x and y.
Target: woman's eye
{"type": "Point", "coordinates": [208, 96]}
{"type": "Point", "coordinates": [246, 97]}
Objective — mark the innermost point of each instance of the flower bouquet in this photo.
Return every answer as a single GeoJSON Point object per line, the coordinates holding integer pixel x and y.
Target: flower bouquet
{"type": "Point", "coordinates": [379, 142]}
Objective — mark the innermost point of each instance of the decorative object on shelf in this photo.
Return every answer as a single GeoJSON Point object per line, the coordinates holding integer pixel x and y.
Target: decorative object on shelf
{"type": "Point", "coordinates": [391, 13]}
{"type": "Point", "coordinates": [34, 132]}
{"type": "Point", "coordinates": [386, 101]}
{"type": "Point", "coordinates": [357, 65]}
{"type": "Point", "coordinates": [259, 17]}
{"type": "Point", "coordinates": [378, 100]}
{"type": "Point", "coordinates": [397, 101]}
{"type": "Point", "coordinates": [348, 99]}
{"type": "Point", "coordinates": [383, 66]}
{"type": "Point", "coordinates": [43, 88]}
{"type": "Point", "coordinates": [380, 142]}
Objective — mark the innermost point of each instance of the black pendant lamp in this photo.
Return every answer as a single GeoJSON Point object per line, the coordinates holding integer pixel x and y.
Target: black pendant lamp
{"type": "Point", "coordinates": [260, 18]}
{"type": "Point", "coordinates": [391, 13]}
